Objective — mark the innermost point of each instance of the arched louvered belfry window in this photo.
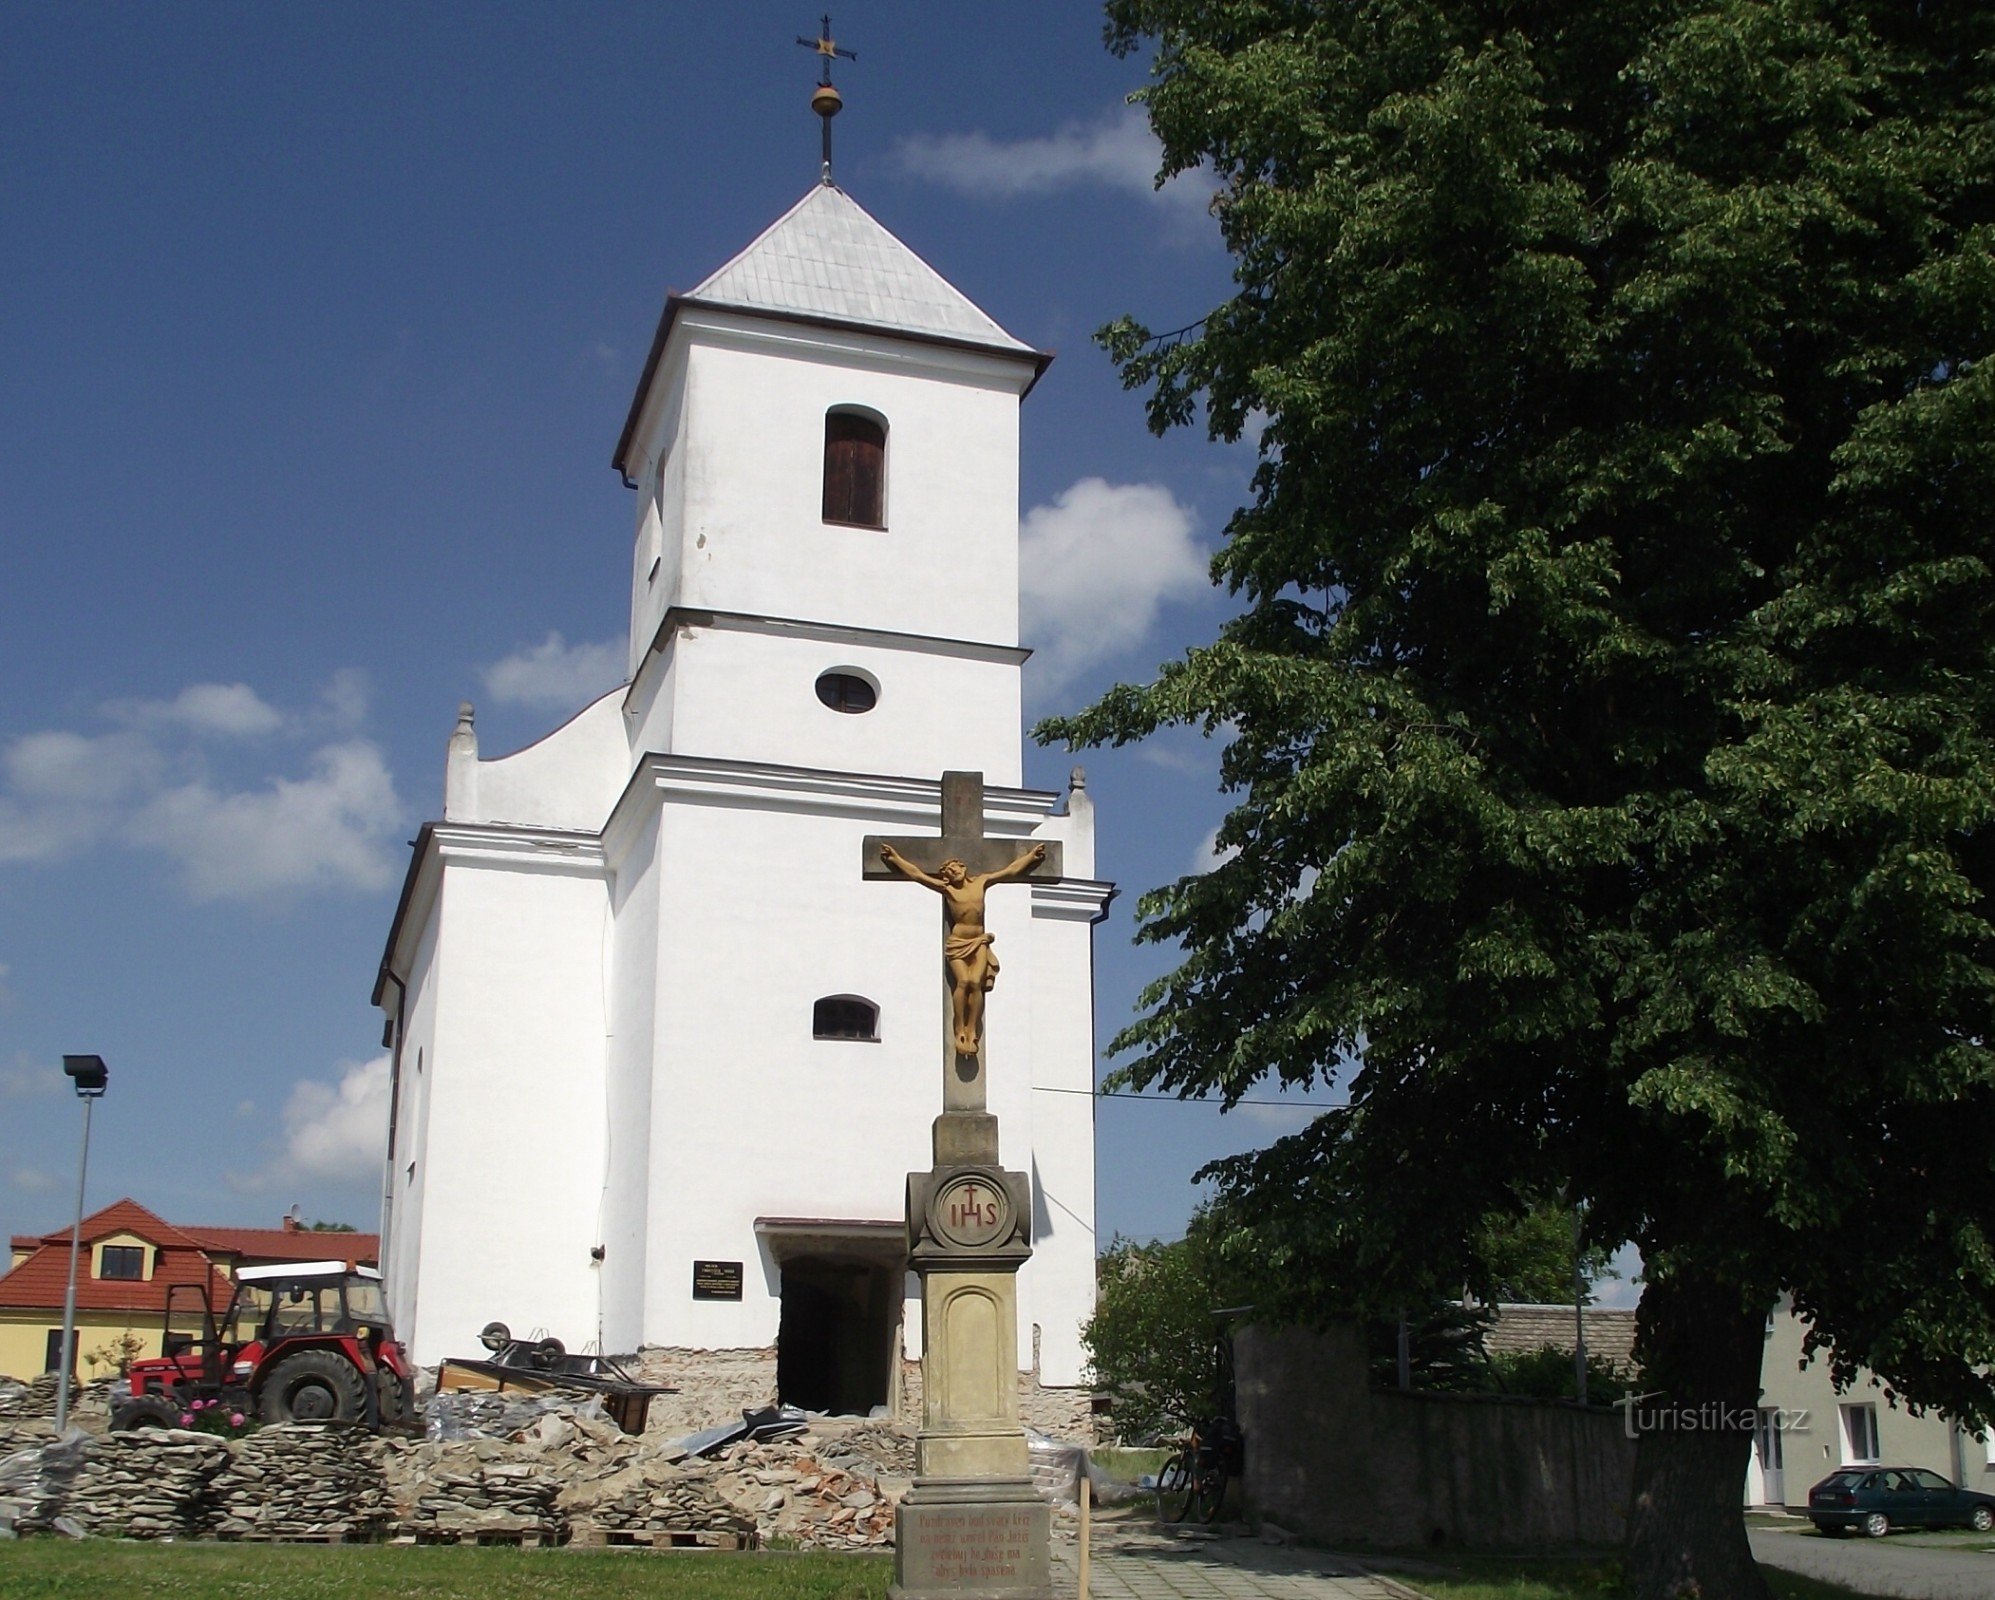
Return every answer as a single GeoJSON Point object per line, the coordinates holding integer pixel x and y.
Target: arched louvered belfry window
{"type": "Point", "coordinates": [845, 1016]}
{"type": "Point", "coordinates": [855, 468]}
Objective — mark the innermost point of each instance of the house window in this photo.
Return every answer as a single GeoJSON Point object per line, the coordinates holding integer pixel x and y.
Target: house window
{"type": "Point", "coordinates": [1859, 1432]}
{"type": "Point", "coordinates": [848, 692]}
{"type": "Point", "coordinates": [125, 1261]}
{"type": "Point", "coordinates": [845, 1016]}
{"type": "Point", "coordinates": [855, 468]}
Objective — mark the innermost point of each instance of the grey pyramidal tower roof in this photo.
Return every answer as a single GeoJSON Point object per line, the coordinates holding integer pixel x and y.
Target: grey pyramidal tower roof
{"type": "Point", "coordinates": [828, 257]}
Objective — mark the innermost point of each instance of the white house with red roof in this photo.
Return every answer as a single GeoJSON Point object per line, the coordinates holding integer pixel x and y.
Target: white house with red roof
{"type": "Point", "coordinates": [650, 1028]}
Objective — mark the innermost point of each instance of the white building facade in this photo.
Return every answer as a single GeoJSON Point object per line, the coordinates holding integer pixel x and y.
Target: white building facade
{"type": "Point", "coordinates": [652, 1032]}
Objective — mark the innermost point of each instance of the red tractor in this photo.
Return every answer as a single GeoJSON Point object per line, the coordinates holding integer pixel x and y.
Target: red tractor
{"type": "Point", "coordinates": [304, 1342]}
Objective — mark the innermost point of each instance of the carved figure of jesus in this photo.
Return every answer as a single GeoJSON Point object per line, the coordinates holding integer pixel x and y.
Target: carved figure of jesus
{"type": "Point", "coordinates": [966, 944]}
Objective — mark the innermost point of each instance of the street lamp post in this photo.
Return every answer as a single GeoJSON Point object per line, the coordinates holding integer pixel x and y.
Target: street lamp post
{"type": "Point", "coordinates": [89, 1074]}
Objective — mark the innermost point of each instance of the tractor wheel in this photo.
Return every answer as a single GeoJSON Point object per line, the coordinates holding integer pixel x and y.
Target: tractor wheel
{"type": "Point", "coordinates": [393, 1397]}
{"type": "Point", "coordinates": [314, 1386]}
{"type": "Point", "coordinates": [145, 1411]}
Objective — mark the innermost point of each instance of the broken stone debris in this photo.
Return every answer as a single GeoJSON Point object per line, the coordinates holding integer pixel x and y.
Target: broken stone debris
{"type": "Point", "coordinates": [558, 1475]}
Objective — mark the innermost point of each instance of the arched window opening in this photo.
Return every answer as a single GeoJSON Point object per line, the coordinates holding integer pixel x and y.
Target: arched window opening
{"type": "Point", "coordinates": [845, 1016]}
{"type": "Point", "coordinates": [848, 692]}
{"type": "Point", "coordinates": [855, 469]}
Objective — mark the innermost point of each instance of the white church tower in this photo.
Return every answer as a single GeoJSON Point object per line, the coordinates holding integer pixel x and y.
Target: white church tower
{"type": "Point", "coordinates": [661, 1058]}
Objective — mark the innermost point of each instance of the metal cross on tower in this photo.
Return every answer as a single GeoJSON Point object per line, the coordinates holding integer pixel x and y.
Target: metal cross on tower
{"type": "Point", "coordinates": [826, 101]}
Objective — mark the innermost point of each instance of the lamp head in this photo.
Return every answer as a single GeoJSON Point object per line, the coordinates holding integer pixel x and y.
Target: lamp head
{"type": "Point", "coordinates": [88, 1073]}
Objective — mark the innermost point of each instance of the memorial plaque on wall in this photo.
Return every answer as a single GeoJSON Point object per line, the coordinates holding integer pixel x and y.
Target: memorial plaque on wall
{"type": "Point", "coordinates": [716, 1280]}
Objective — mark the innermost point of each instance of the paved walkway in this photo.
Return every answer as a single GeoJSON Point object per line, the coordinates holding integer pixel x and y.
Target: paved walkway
{"type": "Point", "coordinates": [1140, 1561]}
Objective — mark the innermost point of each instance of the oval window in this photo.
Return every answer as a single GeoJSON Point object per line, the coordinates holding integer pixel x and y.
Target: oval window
{"type": "Point", "coordinates": [848, 692]}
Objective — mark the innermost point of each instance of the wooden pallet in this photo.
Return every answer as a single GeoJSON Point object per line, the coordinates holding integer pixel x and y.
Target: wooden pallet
{"type": "Point", "coordinates": [341, 1535]}
{"type": "Point", "coordinates": [515, 1536]}
{"type": "Point", "coordinates": [591, 1537]}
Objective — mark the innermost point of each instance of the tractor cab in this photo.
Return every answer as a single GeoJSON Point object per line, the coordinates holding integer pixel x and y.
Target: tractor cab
{"type": "Point", "coordinates": [305, 1341]}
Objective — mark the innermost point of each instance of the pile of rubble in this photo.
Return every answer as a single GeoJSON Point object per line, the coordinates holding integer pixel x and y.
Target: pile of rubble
{"type": "Point", "coordinates": [158, 1484]}
{"type": "Point", "coordinates": [511, 1468]}
{"type": "Point", "coordinates": [33, 1399]}
{"type": "Point", "coordinates": [297, 1481]}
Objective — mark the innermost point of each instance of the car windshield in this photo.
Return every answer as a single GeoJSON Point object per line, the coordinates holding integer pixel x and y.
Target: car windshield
{"type": "Point", "coordinates": [1930, 1480]}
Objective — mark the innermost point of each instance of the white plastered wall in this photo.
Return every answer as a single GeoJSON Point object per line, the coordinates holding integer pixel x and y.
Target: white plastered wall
{"type": "Point", "coordinates": [829, 1127]}
{"type": "Point", "coordinates": [517, 1122]}
{"type": "Point", "coordinates": [739, 691]}
{"type": "Point", "coordinates": [408, 1171]}
{"type": "Point", "coordinates": [568, 779]}
{"type": "Point", "coordinates": [744, 480]}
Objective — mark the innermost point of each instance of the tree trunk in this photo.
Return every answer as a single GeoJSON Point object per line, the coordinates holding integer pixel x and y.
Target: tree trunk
{"type": "Point", "coordinates": [1701, 1352]}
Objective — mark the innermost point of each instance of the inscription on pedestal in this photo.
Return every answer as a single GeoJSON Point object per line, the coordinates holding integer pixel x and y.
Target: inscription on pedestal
{"type": "Point", "coordinates": [973, 1549]}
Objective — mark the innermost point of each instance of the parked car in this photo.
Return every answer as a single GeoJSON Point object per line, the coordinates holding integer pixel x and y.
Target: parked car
{"type": "Point", "coordinates": [1878, 1499]}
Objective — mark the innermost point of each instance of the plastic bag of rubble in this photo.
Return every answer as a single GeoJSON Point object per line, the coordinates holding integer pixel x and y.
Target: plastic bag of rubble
{"type": "Point", "coordinates": [35, 1482]}
{"type": "Point", "coordinates": [1056, 1468]}
{"type": "Point", "coordinates": [473, 1414]}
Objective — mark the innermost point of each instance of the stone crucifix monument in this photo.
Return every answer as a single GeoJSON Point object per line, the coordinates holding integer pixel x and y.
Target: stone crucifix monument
{"type": "Point", "coordinates": [972, 1527]}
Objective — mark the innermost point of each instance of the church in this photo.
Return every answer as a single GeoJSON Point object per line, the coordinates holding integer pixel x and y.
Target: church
{"type": "Point", "coordinates": [662, 1058]}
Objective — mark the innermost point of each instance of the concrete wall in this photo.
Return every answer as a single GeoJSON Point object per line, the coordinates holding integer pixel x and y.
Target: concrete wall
{"type": "Point", "coordinates": [1329, 1458]}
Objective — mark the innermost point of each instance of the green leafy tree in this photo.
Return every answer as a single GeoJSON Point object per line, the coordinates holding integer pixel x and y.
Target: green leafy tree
{"type": "Point", "coordinates": [1527, 1257]}
{"type": "Point", "coordinates": [1547, 1373]}
{"type": "Point", "coordinates": [1153, 1342]}
{"type": "Point", "coordinates": [1612, 669]}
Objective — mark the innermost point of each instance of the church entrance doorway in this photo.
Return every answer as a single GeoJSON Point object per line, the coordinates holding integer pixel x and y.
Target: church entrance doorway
{"type": "Point", "coordinates": [839, 1335]}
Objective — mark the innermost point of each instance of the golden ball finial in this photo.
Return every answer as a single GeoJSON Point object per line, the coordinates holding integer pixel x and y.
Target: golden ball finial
{"type": "Point", "coordinates": [825, 101]}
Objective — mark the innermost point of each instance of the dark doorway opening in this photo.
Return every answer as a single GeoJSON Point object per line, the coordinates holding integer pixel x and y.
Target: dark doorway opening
{"type": "Point", "coordinates": [835, 1344]}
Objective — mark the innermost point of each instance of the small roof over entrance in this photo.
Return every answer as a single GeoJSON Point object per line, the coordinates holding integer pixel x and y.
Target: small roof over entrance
{"type": "Point", "coordinates": [830, 1238]}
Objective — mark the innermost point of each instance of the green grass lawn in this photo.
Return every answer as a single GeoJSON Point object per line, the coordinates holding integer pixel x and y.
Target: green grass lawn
{"type": "Point", "coordinates": [1126, 1464]}
{"type": "Point", "coordinates": [110, 1569]}
{"type": "Point", "coordinates": [1473, 1579]}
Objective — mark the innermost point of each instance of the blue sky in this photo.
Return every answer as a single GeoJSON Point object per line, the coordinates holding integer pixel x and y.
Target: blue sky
{"type": "Point", "coordinates": [320, 324]}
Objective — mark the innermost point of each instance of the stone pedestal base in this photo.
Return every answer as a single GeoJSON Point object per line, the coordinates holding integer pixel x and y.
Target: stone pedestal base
{"type": "Point", "coordinates": [983, 1539]}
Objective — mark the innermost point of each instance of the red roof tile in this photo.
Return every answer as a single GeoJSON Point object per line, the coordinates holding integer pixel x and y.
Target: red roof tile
{"type": "Point", "coordinates": [289, 1244]}
{"type": "Point", "coordinates": [41, 1281]}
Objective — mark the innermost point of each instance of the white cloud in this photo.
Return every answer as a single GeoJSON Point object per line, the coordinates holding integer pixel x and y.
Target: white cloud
{"type": "Point", "coordinates": [343, 701]}
{"type": "Point", "coordinates": [1117, 151]}
{"type": "Point", "coordinates": [222, 710]}
{"type": "Point", "coordinates": [59, 789]}
{"type": "Point", "coordinates": [33, 1180]}
{"type": "Point", "coordinates": [556, 674]}
{"type": "Point", "coordinates": [1625, 1287]}
{"type": "Point", "coordinates": [1208, 854]}
{"type": "Point", "coordinates": [330, 830]}
{"type": "Point", "coordinates": [148, 785]}
{"type": "Point", "coordinates": [333, 1131]}
{"type": "Point", "coordinates": [25, 1076]}
{"type": "Point", "coordinates": [1096, 566]}
{"type": "Point", "coordinates": [1277, 1120]}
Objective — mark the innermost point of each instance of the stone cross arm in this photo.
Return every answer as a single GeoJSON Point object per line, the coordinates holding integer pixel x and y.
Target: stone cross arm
{"type": "Point", "coordinates": [962, 839]}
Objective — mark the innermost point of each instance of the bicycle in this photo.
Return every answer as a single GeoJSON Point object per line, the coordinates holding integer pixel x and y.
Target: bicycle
{"type": "Point", "coordinates": [1193, 1480]}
